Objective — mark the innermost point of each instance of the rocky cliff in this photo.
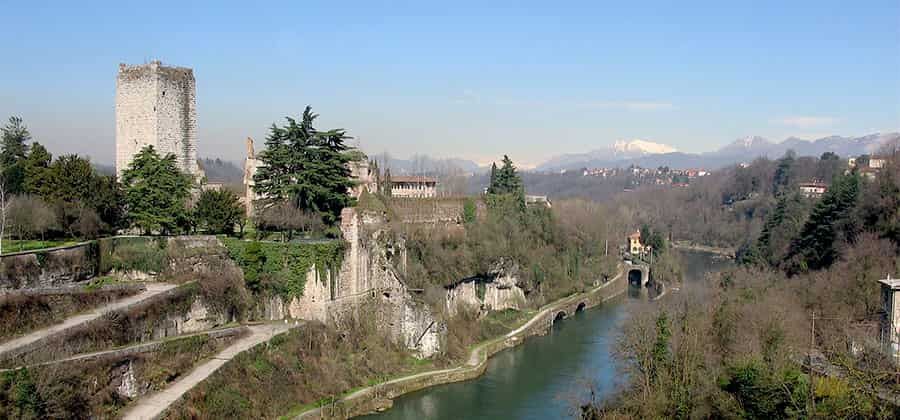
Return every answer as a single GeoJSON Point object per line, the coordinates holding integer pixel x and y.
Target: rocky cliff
{"type": "Point", "coordinates": [367, 278]}
{"type": "Point", "coordinates": [497, 291]}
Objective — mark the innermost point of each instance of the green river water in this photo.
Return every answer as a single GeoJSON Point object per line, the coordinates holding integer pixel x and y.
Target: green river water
{"type": "Point", "coordinates": [546, 377]}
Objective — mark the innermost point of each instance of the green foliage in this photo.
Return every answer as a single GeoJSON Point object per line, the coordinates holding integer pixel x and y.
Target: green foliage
{"type": "Point", "coordinates": [765, 391]}
{"type": "Point", "coordinates": [784, 173]}
{"type": "Point", "coordinates": [217, 211]}
{"type": "Point", "coordinates": [281, 267]}
{"type": "Point", "coordinates": [832, 220]}
{"type": "Point", "coordinates": [470, 211]}
{"type": "Point", "coordinates": [155, 191]}
{"type": "Point", "coordinates": [36, 167]}
{"type": "Point", "coordinates": [132, 253]}
{"type": "Point", "coordinates": [13, 150]}
{"type": "Point", "coordinates": [306, 168]}
{"type": "Point", "coordinates": [506, 179]}
{"type": "Point", "coordinates": [781, 227]}
{"type": "Point", "coordinates": [661, 353]}
{"type": "Point", "coordinates": [19, 397]}
{"type": "Point", "coordinates": [87, 203]}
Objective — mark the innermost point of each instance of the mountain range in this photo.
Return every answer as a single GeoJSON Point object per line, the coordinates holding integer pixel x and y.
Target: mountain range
{"type": "Point", "coordinates": [649, 154]}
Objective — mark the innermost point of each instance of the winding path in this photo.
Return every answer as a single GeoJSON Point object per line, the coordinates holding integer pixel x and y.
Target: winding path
{"type": "Point", "coordinates": [153, 405]}
{"type": "Point", "coordinates": [152, 290]}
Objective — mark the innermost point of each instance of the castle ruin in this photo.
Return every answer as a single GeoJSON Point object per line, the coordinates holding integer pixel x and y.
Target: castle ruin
{"type": "Point", "coordinates": [156, 105]}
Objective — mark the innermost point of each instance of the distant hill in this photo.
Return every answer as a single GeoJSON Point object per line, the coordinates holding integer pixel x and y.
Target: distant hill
{"type": "Point", "coordinates": [218, 170]}
{"type": "Point", "coordinates": [423, 164]}
{"type": "Point", "coordinates": [741, 150]}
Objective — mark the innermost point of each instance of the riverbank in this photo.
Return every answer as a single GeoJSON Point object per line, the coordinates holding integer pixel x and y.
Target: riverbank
{"type": "Point", "coordinates": [689, 246]}
{"type": "Point", "coordinates": [380, 396]}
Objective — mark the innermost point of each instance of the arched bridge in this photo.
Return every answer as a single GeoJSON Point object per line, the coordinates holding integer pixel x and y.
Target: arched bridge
{"type": "Point", "coordinates": [638, 274]}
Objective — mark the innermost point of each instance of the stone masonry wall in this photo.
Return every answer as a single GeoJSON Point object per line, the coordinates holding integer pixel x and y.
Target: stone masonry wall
{"type": "Point", "coordinates": [366, 279]}
{"type": "Point", "coordinates": [156, 105]}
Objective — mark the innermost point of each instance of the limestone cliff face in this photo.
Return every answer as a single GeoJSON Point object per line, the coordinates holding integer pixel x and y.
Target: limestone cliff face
{"type": "Point", "coordinates": [499, 291]}
{"type": "Point", "coordinates": [367, 279]}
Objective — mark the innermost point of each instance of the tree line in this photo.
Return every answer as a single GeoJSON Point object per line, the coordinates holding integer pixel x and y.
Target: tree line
{"type": "Point", "coordinates": [303, 182]}
{"type": "Point", "coordinates": [804, 293]}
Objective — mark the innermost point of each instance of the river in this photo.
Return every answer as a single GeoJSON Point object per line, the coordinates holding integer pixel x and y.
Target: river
{"type": "Point", "coordinates": [547, 376]}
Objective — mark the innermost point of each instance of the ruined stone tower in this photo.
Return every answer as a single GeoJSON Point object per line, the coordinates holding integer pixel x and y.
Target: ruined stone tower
{"type": "Point", "coordinates": [156, 105]}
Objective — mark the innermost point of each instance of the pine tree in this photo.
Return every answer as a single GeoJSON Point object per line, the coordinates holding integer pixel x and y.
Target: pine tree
{"type": "Point", "coordinates": [506, 180]}
{"type": "Point", "coordinates": [831, 222]}
{"type": "Point", "coordinates": [155, 192]}
{"type": "Point", "coordinates": [36, 167]}
{"type": "Point", "coordinates": [493, 185]}
{"type": "Point", "coordinates": [13, 150]}
{"type": "Point", "coordinates": [306, 167]}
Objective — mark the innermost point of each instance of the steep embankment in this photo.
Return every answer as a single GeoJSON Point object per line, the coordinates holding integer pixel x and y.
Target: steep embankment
{"type": "Point", "coordinates": [378, 396]}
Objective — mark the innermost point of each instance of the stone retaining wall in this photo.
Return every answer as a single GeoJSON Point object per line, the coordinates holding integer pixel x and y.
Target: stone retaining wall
{"type": "Point", "coordinates": [380, 396]}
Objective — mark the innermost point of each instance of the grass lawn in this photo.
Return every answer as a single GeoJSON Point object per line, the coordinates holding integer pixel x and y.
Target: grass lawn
{"type": "Point", "coordinates": [16, 245]}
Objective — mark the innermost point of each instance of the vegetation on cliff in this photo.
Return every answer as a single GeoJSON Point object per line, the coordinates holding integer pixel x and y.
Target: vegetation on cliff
{"type": "Point", "coordinates": [297, 370]}
{"type": "Point", "coordinates": [281, 267]}
{"type": "Point", "coordinates": [734, 346]}
{"type": "Point", "coordinates": [87, 389]}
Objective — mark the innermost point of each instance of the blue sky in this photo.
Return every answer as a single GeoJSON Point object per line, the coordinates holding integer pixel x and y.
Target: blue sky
{"type": "Point", "coordinates": [463, 79]}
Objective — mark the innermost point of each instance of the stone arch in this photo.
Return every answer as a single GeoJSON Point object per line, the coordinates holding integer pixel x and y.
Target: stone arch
{"type": "Point", "coordinates": [635, 277]}
{"type": "Point", "coordinates": [559, 316]}
{"type": "Point", "coordinates": [581, 306]}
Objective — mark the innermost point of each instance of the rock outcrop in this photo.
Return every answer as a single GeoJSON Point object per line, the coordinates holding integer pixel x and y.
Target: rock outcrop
{"type": "Point", "coordinates": [367, 276]}
{"type": "Point", "coordinates": [498, 291]}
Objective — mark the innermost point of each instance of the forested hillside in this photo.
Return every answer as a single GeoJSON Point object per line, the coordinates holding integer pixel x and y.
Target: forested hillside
{"type": "Point", "coordinates": [793, 332]}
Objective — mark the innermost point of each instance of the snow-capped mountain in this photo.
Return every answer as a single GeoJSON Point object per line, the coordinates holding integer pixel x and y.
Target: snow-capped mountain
{"type": "Point", "coordinates": [620, 150]}
{"type": "Point", "coordinates": [745, 149]}
{"type": "Point", "coordinates": [641, 147]}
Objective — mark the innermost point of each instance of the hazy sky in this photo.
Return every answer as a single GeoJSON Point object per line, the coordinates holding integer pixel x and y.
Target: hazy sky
{"type": "Point", "coordinates": [465, 79]}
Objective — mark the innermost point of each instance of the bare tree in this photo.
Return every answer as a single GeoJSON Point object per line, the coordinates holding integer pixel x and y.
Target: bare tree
{"type": "Point", "coordinates": [3, 205]}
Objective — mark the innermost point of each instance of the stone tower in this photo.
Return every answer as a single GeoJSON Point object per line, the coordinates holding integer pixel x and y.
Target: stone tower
{"type": "Point", "coordinates": [156, 105]}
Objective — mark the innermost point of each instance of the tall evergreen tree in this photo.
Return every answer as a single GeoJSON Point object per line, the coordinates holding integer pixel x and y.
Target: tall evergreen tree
{"type": "Point", "coordinates": [830, 223]}
{"type": "Point", "coordinates": [781, 227]}
{"type": "Point", "coordinates": [784, 173]}
{"type": "Point", "coordinates": [13, 150]}
{"type": "Point", "coordinates": [37, 169]}
{"type": "Point", "coordinates": [493, 185]}
{"type": "Point", "coordinates": [155, 191]}
{"type": "Point", "coordinates": [306, 167]}
{"type": "Point", "coordinates": [506, 180]}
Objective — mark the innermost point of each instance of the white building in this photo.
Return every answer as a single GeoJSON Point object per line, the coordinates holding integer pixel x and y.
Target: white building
{"type": "Point", "coordinates": [890, 322]}
{"type": "Point", "coordinates": [813, 189]}
{"type": "Point", "coordinates": [413, 187]}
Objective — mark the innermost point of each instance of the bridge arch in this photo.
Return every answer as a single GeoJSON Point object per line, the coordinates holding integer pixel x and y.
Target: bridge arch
{"type": "Point", "coordinates": [559, 316]}
{"type": "Point", "coordinates": [580, 307]}
{"type": "Point", "coordinates": [638, 275]}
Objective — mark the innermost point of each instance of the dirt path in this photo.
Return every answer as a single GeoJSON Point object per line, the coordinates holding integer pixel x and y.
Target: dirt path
{"type": "Point", "coordinates": [136, 348]}
{"type": "Point", "coordinates": [153, 289]}
{"type": "Point", "coordinates": [153, 405]}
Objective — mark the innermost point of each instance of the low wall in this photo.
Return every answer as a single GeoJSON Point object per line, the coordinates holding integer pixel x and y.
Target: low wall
{"type": "Point", "coordinates": [173, 313]}
{"type": "Point", "coordinates": [50, 267]}
{"type": "Point", "coordinates": [148, 347]}
{"type": "Point", "coordinates": [377, 397]}
{"type": "Point", "coordinates": [447, 210]}
{"type": "Point", "coordinates": [133, 257]}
